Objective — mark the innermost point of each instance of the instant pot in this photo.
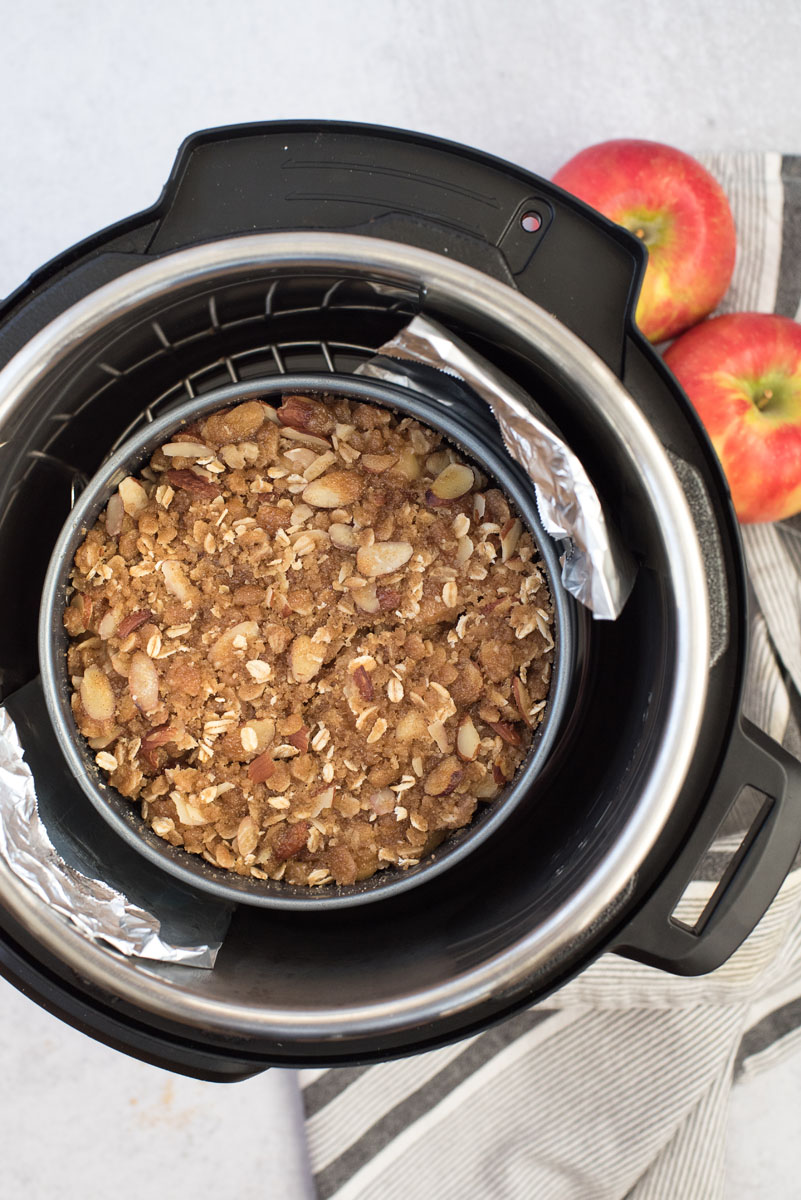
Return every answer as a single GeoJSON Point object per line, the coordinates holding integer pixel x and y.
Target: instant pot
{"type": "Point", "coordinates": [302, 247]}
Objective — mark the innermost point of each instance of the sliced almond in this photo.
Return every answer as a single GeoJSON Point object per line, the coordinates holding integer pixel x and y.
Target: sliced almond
{"type": "Point", "coordinates": [188, 814]}
{"type": "Point", "coordinates": [321, 463]}
{"type": "Point", "coordinates": [264, 729]}
{"type": "Point", "coordinates": [343, 536]}
{"type": "Point", "coordinates": [437, 462]}
{"type": "Point", "coordinates": [194, 450]}
{"type": "Point", "coordinates": [382, 801]}
{"type": "Point", "coordinates": [382, 558]}
{"type": "Point", "coordinates": [300, 739]}
{"type": "Point", "coordinates": [301, 412]}
{"type": "Point", "coordinates": [522, 701]}
{"type": "Point", "coordinates": [366, 599]}
{"type": "Point", "coordinates": [464, 549]}
{"type": "Point", "coordinates": [376, 464]}
{"type": "Point", "coordinates": [444, 778]}
{"type": "Point", "coordinates": [301, 513]}
{"type": "Point", "coordinates": [508, 733]}
{"type": "Point", "coordinates": [235, 424]}
{"type": "Point", "coordinates": [440, 735]}
{"type": "Point", "coordinates": [176, 582]}
{"type": "Point", "coordinates": [333, 489]}
{"type": "Point", "coordinates": [247, 836]}
{"type": "Point", "coordinates": [121, 663]}
{"type": "Point", "coordinates": [305, 658]}
{"type": "Point", "coordinates": [96, 694]}
{"type": "Point", "coordinates": [291, 840]}
{"type": "Point", "coordinates": [108, 624]}
{"type": "Point", "coordinates": [115, 511]}
{"type": "Point", "coordinates": [321, 801]}
{"type": "Point", "coordinates": [436, 501]}
{"type": "Point", "coordinates": [303, 543]}
{"type": "Point", "coordinates": [105, 739]}
{"type": "Point", "coordinates": [364, 683]}
{"type": "Point", "coordinates": [261, 768]}
{"type": "Point", "coordinates": [158, 737]}
{"type": "Point", "coordinates": [452, 482]}
{"type": "Point", "coordinates": [306, 439]}
{"type": "Point", "coordinates": [498, 775]}
{"type": "Point", "coordinates": [143, 682]}
{"type": "Point", "coordinates": [408, 466]}
{"type": "Point", "coordinates": [133, 621]}
{"type": "Point", "coordinates": [510, 536]}
{"type": "Point", "coordinates": [191, 482]}
{"type": "Point", "coordinates": [223, 855]}
{"type": "Point", "coordinates": [223, 649]}
{"type": "Point", "coordinates": [133, 496]}
{"type": "Point", "coordinates": [301, 456]}
{"type": "Point", "coordinates": [467, 739]}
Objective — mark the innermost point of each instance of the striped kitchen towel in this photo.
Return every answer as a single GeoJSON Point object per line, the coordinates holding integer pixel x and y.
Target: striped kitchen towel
{"type": "Point", "coordinates": [617, 1086]}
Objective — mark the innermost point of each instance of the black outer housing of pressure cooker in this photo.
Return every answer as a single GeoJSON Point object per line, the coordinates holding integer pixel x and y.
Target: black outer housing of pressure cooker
{"type": "Point", "coordinates": [585, 271]}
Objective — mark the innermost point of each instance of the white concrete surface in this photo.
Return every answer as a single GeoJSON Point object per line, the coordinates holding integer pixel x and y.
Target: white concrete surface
{"type": "Point", "coordinates": [94, 101]}
{"type": "Point", "coordinates": [80, 1120]}
{"type": "Point", "coordinates": [764, 1142]}
{"type": "Point", "coordinates": [95, 98]}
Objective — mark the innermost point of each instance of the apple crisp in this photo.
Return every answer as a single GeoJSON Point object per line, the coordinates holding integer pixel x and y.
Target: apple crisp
{"type": "Point", "coordinates": [308, 640]}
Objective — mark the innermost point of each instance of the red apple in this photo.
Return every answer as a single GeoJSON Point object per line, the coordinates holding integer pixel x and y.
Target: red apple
{"type": "Point", "coordinates": [742, 372]}
{"type": "Point", "coordinates": [678, 209]}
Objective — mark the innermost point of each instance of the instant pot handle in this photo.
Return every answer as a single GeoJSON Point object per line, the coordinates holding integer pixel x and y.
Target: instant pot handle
{"type": "Point", "coordinates": [656, 936]}
{"type": "Point", "coordinates": [406, 187]}
{"type": "Point", "coordinates": [380, 182]}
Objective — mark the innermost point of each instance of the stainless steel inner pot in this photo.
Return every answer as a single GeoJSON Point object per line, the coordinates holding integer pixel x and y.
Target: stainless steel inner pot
{"type": "Point", "coordinates": [341, 991]}
{"type": "Point", "coordinates": [464, 429]}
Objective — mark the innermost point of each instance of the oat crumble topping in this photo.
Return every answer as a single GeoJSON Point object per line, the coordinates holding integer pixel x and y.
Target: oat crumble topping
{"type": "Point", "coordinates": [308, 640]}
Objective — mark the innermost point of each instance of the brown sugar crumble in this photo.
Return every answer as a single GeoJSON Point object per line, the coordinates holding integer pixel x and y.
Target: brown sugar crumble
{"type": "Point", "coordinates": [308, 640]}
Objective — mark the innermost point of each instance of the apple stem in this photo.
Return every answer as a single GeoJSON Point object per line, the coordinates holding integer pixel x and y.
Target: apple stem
{"type": "Point", "coordinates": [763, 399]}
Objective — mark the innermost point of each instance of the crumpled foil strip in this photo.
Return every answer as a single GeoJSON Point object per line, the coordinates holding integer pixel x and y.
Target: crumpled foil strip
{"type": "Point", "coordinates": [93, 907]}
{"type": "Point", "coordinates": [597, 569]}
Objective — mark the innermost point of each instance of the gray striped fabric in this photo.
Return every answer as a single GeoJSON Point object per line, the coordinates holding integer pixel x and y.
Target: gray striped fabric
{"type": "Point", "coordinates": [617, 1087]}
